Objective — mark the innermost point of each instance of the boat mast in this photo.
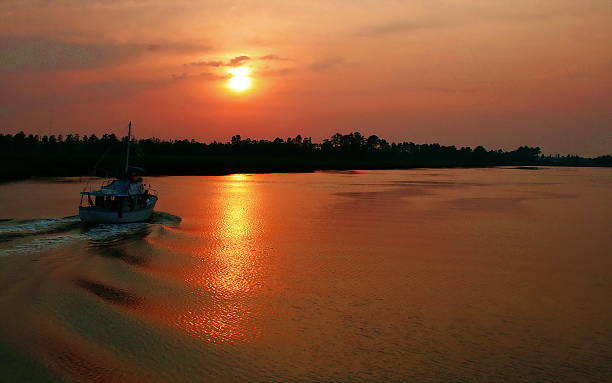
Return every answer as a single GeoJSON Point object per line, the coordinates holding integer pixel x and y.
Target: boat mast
{"type": "Point", "coordinates": [127, 156]}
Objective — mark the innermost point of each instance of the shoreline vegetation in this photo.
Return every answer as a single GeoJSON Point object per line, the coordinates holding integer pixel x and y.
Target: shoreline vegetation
{"type": "Point", "coordinates": [27, 155]}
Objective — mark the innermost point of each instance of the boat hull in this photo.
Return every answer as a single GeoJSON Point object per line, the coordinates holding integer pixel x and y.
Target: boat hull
{"type": "Point", "coordinates": [97, 215]}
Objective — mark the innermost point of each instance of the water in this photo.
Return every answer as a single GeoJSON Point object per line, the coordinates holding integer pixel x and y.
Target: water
{"type": "Point", "coordinates": [464, 275]}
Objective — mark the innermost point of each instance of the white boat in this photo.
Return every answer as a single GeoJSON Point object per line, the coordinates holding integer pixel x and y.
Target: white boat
{"type": "Point", "coordinates": [123, 200]}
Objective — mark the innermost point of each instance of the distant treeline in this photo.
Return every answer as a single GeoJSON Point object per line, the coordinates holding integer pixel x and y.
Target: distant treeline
{"type": "Point", "coordinates": [24, 155]}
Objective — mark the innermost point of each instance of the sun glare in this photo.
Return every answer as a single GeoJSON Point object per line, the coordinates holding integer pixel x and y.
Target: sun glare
{"type": "Point", "coordinates": [240, 80]}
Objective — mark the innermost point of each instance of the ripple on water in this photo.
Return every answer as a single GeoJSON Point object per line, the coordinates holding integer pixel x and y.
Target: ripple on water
{"type": "Point", "coordinates": [108, 293]}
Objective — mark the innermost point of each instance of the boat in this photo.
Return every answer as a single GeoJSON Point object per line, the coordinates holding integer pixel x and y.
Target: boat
{"type": "Point", "coordinates": [122, 200]}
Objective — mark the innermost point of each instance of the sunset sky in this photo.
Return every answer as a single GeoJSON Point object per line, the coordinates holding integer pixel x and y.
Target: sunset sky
{"type": "Point", "coordinates": [462, 72]}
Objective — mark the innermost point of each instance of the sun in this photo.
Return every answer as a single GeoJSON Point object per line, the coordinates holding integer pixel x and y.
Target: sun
{"type": "Point", "coordinates": [240, 80]}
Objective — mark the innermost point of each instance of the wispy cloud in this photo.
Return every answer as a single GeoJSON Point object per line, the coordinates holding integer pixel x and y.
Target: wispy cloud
{"type": "Point", "coordinates": [272, 57]}
{"type": "Point", "coordinates": [277, 72]}
{"type": "Point", "coordinates": [37, 54]}
{"type": "Point", "coordinates": [26, 54]}
{"type": "Point", "coordinates": [395, 27]}
{"type": "Point", "coordinates": [207, 63]}
{"type": "Point", "coordinates": [237, 61]}
{"type": "Point", "coordinates": [204, 75]}
{"type": "Point", "coordinates": [327, 64]}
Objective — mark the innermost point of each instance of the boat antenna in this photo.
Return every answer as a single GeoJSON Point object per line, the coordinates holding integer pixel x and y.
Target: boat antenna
{"type": "Point", "coordinates": [127, 156]}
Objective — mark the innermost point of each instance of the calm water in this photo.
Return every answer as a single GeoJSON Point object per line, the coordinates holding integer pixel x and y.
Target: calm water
{"type": "Point", "coordinates": [487, 275]}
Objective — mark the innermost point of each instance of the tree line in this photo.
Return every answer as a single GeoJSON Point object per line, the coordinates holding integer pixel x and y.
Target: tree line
{"type": "Point", "coordinates": [34, 155]}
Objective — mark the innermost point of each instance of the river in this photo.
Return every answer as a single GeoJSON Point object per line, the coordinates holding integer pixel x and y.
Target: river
{"type": "Point", "coordinates": [425, 275]}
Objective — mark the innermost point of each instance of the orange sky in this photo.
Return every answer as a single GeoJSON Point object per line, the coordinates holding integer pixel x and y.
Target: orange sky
{"type": "Point", "coordinates": [463, 72]}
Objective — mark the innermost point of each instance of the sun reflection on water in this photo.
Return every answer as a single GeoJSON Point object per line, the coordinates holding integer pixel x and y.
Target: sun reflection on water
{"type": "Point", "coordinates": [233, 271]}
{"type": "Point", "coordinates": [236, 231]}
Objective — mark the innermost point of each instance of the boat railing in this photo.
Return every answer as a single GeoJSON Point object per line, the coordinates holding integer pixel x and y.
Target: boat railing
{"type": "Point", "coordinates": [151, 191]}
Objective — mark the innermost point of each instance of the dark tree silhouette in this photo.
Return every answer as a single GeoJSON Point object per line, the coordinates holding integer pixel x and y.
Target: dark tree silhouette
{"type": "Point", "coordinates": [32, 155]}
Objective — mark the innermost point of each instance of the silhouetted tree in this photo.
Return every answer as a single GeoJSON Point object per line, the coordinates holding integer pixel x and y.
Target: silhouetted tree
{"type": "Point", "coordinates": [72, 155]}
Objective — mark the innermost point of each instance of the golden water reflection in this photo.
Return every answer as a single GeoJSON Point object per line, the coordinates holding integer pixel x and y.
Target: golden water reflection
{"type": "Point", "coordinates": [237, 233]}
{"type": "Point", "coordinates": [232, 273]}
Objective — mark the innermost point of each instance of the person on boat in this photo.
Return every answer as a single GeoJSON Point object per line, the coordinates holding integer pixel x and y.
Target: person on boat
{"type": "Point", "coordinates": [136, 187]}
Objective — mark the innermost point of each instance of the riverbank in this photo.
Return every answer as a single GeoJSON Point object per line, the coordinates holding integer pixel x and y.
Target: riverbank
{"type": "Point", "coordinates": [19, 167]}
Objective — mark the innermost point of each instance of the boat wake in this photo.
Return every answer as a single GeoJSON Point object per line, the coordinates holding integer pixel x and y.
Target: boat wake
{"type": "Point", "coordinates": [167, 219]}
{"type": "Point", "coordinates": [10, 229]}
{"type": "Point", "coordinates": [115, 234]}
{"type": "Point", "coordinates": [41, 234]}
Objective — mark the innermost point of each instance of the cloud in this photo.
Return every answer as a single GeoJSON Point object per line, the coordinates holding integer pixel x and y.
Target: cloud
{"type": "Point", "coordinates": [181, 76]}
{"type": "Point", "coordinates": [36, 54]}
{"type": "Point", "coordinates": [207, 63]}
{"type": "Point", "coordinates": [238, 60]}
{"type": "Point", "coordinates": [327, 64]}
{"type": "Point", "coordinates": [234, 62]}
{"type": "Point", "coordinates": [277, 72]}
{"type": "Point", "coordinates": [174, 47]}
{"type": "Point", "coordinates": [472, 14]}
{"type": "Point", "coordinates": [402, 26]}
{"type": "Point", "coordinates": [273, 57]}
{"type": "Point", "coordinates": [39, 54]}
{"type": "Point", "coordinates": [205, 75]}
{"type": "Point", "coordinates": [213, 76]}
